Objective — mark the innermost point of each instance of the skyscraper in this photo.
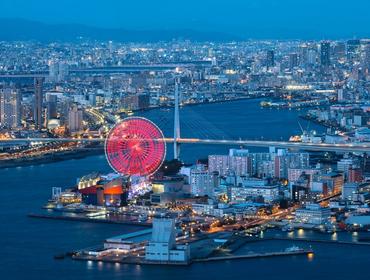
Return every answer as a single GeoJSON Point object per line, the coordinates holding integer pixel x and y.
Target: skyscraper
{"type": "Point", "coordinates": [293, 60]}
{"type": "Point", "coordinates": [51, 106]}
{"type": "Point", "coordinates": [270, 58]}
{"type": "Point", "coordinates": [38, 103]}
{"type": "Point", "coordinates": [10, 108]}
{"type": "Point", "coordinates": [325, 53]}
{"type": "Point", "coordinates": [201, 181]}
{"type": "Point", "coordinates": [75, 119]}
{"type": "Point", "coordinates": [339, 51]}
{"type": "Point", "coordinates": [353, 50]}
{"type": "Point", "coordinates": [303, 54]}
{"type": "Point", "coordinates": [367, 57]}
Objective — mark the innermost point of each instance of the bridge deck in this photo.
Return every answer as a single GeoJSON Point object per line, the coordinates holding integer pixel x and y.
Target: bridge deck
{"type": "Point", "coordinates": [353, 147]}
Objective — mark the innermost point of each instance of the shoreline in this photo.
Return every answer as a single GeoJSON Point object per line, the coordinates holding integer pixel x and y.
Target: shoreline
{"type": "Point", "coordinates": [201, 103]}
{"type": "Point", "coordinates": [51, 158]}
{"type": "Point", "coordinates": [88, 220]}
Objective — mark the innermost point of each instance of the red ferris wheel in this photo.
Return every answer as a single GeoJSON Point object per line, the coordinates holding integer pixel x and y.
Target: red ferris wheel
{"type": "Point", "coordinates": [135, 146]}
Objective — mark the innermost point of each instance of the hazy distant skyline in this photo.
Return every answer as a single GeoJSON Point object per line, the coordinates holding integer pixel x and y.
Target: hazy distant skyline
{"type": "Point", "coordinates": [246, 18]}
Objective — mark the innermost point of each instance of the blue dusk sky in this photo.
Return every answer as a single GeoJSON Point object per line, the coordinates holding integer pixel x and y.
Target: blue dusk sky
{"type": "Point", "coordinates": [269, 18]}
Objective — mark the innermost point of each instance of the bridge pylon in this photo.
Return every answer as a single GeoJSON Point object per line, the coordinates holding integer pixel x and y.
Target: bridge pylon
{"type": "Point", "coordinates": [176, 131]}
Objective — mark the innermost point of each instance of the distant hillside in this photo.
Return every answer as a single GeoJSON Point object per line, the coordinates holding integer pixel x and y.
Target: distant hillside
{"type": "Point", "coordinates": [20, 29]}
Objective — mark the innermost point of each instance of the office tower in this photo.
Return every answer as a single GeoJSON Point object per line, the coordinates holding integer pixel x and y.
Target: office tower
{"type": "Point", "coordinates": [53, 71]}
{"type": "Point", "coordinates": [353, 50]}
{"type": "Point", "coordinates": [211, 53]}
{"type": "Point", "coordinates": [51, 106]}
{"type": "Point", "coordinates": [354, 175]}
{"type": "Point", "coordinates": [75, 119]}
{"type": "Point", "coordinates": [110, 48]}
{"type": "Point", "coordinates": [270, 58]}
{"type": "Point", "coordinates": [303, 54]}
{"type": "Point", "coordinates": [38, 103]}
{"type": "Point", "coordinates": [58, 71]}
{"type": "Point", "coordinates": [340, 95]}
{"type": "Point", "coordinates": [293, 60]}
{"type": "Point", "coordinates": [136, 102]}
{"type": "Point", "coordinates": [63, 71]}
{"type": "Point", "coordinates": [283, 161]}
{"type": "Point", "coordinates": [312, 57]}
{"type": "Point", "coordinates": [10, 108]}
{"type": "Point", "coordinates": [367, 57]}
{"type": "Point", "coordinates": [201, 182]}
{"type": "Point", "coordinates": [339, 50]}
{"type": "Point", "coordinates": [325, 53]}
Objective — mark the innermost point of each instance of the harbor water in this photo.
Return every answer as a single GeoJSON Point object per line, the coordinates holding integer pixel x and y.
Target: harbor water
{"type": "Point", "coordinates": [28, 246]}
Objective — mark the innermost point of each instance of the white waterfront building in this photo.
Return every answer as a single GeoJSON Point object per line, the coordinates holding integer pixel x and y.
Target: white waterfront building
{"type": "Point", "coordinates": [162, 247]}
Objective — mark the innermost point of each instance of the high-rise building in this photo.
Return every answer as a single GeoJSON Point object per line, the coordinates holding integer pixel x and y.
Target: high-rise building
{"type": "Point", "coordinates": [283, 161]}
{"type": "Point", "coordinates": [325, 53]}
{"type": "Point", "coordinates": [136, 102]}
{"type": "Point", "coordinates": [270, 58]}
{"type": "Point", "coordinates": [303, 54]}
{"type": "Point", "coordinates": [75, 118]}
{"type": "Point", "coordinates": [339, 50]}
{"type": "Point", "coordinates": [58, 71]}
{"type": "Point", "coordinates": [334, 181]}
{"type": "Point", "coordinates": [242, 165]}
{"type": "Point", "coordinates": [38, 103]}
{"type": "Point", "coordinates": [349, 190]}
{"type": "Point", "coordinates": [367, 57]}
{"type": "Point", "coordinates": [312, 57]}
{"type": "Point", "coordinates": [354, 175]}
{"type": "Point", "coordinates": [201, 182]}
{"type": "Point", "coordinates": [10, 108]}
{"type": "Point", "coordinates": [51, 106]}
{"type": "Point", "coordinates": [293, 60]}
{"type": "Point", "coordinates": [353, 50]}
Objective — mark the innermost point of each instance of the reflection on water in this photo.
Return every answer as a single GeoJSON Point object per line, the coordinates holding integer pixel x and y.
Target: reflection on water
{"type": "Point", "coordinates": [334, 236]}
{"type": "Point", "coordinates": [310, 256]}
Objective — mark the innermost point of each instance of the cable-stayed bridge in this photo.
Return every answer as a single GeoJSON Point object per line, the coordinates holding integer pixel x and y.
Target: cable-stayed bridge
{"type": "Point", "coordinates": [355, 147]}
{"type": "Point", "coordinates": [212, 138]}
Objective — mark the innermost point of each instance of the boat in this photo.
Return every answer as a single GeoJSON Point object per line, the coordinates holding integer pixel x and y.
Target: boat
{"type": "Point", "coordinates": [143, 218]}
{"type": "Point", "coordinates": [288, 228]}
{"type": "Point", "coordinates": [293, 249]}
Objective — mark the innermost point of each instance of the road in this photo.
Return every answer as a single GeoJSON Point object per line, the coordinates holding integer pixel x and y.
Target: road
{"type": "Point", "coordinates": [350, 147]}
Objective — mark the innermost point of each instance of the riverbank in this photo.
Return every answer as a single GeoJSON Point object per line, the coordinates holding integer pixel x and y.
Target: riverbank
{"type": "Point", "coordinates": [50, 158]}
{"type": "Point", "coordinates": [89, 220]}
{"type": "Point", "coordinates": [201, 103]}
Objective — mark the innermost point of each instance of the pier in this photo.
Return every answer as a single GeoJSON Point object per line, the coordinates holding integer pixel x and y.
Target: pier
{"type": "Point", "coordinates": [257, 255]}
{"type": "Point", "coordinates": [89, 220]}
{"type": "Point", "coordinates": [318, 240]}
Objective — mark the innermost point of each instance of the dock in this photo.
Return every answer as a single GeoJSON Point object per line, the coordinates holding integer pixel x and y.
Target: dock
{"type": "Point", "coordinates": [89, 220]}
{"type": "Point", "coordinates": [357, 243]}
{"type": "Point", "coordinates": [255, 256]}
{"type": "Point", "coordinates": [142, 261]}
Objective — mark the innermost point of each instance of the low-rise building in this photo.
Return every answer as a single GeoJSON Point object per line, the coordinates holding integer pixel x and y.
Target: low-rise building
{"type": "Point", "coordinates": [313, 214]}
{"type": "Point", "coordinates": [242, 193]}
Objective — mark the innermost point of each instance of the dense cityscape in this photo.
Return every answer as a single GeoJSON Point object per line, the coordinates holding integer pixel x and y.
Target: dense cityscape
{"type": "Point", "coordinates": [170, 157]}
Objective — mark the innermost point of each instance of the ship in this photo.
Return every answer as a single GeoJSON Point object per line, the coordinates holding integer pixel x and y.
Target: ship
{"type": "Point", "coordinates": [294, 249]}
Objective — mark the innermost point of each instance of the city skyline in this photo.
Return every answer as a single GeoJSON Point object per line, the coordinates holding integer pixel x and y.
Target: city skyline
{"type": "Point", "coordinates": [184, 139]}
